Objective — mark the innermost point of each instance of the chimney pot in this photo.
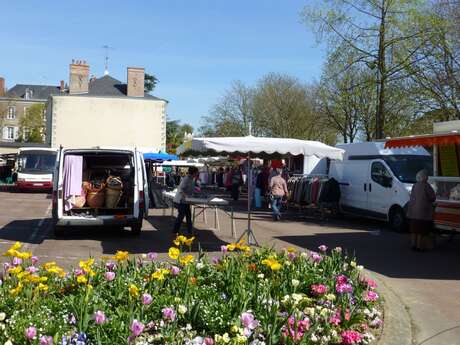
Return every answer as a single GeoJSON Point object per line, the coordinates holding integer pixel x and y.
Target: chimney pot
{"type": "Point", "coordinates": [2, 87]}
{"type": "Point", "coordinates": [135, 83]}
{"type": "Point", "coordinates": [78, 81]}
{"type": "Point", "coordinates": [62, 86]}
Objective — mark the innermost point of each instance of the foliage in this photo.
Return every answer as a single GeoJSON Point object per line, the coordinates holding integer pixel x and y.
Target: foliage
{"type": "Point", "coordinates": [32, 124]}
{"type": "Point", "coordinates": [175, 133]}
{"type": "Point", "coordinates": [246, 296]}
{"type": "Point", "coordinates": [150, 81]}
{"type": "Point", "coordinates": [383, 38]}
{"type": "Point", "coordinates": [278, 106]}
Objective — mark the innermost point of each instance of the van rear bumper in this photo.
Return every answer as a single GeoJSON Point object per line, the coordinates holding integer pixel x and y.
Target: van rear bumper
{"type": "Point", "coordinates": [97, 221]}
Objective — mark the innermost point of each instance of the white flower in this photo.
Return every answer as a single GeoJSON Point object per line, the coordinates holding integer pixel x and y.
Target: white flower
{"type": "Point", "coordinates": [144, 256]}
{"type": "Point", "coordinates": [314, 338]}
{"type": "Point", "coordinates": [261, 276]}
{"type": "Point", "coordinates": [297, 297]}
{"type": "Point", "coordinates": [304, 255]}
{"type": "Point", "coordinates": [199, 265]}
{"type": "Point", "coordinates": [353, 264]}
{"type": "Point", "coordinates": [2, 316]}
{"type": "Point", "coordinates": [287, 263]}
{"type": "Point", "coordinates": [295, 282]}
{"type": "Point", "coordinates": [182, 309]}
{"type": "Point", "coordinates": [188, 327]}
{"type": "Point", "coordinates": [8, 342]}
{"type": "Point", "coordinates": [310, 311]}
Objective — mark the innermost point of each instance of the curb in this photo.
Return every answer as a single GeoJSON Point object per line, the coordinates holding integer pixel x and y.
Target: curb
{"type": "Point", "coordinates": [397, 325]}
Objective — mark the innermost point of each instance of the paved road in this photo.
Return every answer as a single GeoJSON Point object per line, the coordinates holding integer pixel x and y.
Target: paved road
{"type": "Point", "coordinates": [428, 284]}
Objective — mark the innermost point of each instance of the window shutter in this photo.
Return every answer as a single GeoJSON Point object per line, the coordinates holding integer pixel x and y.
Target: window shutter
{"type": "Point", "coordinates": [5, 133]}
{"type": "Point", "coordinates": [16, 132]}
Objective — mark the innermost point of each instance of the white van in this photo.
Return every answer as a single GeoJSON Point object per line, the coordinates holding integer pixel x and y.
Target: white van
{"type": "Point", "coordinates": [376, 182]}
{"type": "Point", "coordinates": [100, 163]}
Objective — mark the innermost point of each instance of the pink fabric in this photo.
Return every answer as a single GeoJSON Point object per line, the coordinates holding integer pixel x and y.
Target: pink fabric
{"type": "Point", "coordinates": [73, 178]}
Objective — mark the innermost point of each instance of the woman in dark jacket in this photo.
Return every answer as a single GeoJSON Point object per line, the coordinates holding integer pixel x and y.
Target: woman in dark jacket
{"type": "Point", "coordinates": [420, 211]}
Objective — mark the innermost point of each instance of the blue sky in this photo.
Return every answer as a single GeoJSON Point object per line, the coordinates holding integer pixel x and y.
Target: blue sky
{"type": "Point", "coordinates": [196, 48]}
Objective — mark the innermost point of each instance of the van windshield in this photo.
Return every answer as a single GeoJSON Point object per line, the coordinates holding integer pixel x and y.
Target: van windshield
{"type": "Point", "coordinates": [36, 162]}
{"type": "Point", "coordinates": [406, 167]}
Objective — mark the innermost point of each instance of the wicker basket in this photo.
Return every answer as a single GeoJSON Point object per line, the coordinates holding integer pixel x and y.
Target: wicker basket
{"type": "Point", "coordinates": [95, 198]}
{"type": "Point", "coordinates": [112, 197]}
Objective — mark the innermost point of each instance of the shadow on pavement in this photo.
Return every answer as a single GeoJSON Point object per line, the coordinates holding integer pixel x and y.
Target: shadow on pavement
{"type": "Point", "coordinates": [389, 254]}
{"type": "Point", "coordinates": [22, 230]}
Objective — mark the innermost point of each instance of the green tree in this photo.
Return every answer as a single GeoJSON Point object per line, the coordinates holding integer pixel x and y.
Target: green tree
{"type": "Point", "coordinates": [32, 125]}
{"type": "Point", "coordinates": [150, 82]}
{"type": "Point", "coordinates": [175, 133]}
{"type": "Point", "coordinates": [382, 36]}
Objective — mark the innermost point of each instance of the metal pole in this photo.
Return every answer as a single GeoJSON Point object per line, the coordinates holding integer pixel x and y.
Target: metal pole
{"type": "Point", "coordinates": [249, 194]}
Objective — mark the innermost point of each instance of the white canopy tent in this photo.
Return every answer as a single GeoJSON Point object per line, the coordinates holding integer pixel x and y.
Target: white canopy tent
{"type": "Point", "coordinates": [263, 147]}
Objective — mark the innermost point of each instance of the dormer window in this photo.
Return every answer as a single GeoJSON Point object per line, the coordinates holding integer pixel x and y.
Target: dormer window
{"type": "Point", "coordinates": [28, 94]}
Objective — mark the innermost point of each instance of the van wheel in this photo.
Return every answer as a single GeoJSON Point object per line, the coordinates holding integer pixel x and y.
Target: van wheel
{"type": "Point", "coordinates": [136, 228]}
{"type": "Point", "coordinates": [397, 219]}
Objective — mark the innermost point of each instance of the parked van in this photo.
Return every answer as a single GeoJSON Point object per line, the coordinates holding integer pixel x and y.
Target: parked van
{"type": "Point", "coordinates": [376, 182]}
{"type": "Point", "coordinates": [99, 166]}
{"type": "Point", "coordinates": [34, 168]}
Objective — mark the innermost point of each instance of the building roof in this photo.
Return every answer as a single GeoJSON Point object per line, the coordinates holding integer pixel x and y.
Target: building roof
{"type": "Point", "coordinates": [41, 92]}
{"type": "Point", "coordinates": [108, 86]}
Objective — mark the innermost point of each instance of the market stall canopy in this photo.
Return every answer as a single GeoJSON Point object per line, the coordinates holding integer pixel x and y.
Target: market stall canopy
{"type": "Point", "coordinates": [424, 140]}
{"type": "Point", "coordinates": [183, 163]}
{"type": "Point", "coordinates": [159, 156]}
{"type": "Point", "coordinates": [265, 147]}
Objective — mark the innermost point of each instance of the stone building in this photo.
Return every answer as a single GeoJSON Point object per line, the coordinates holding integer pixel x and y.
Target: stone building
{"type": "Point", "coordinates": [106, 112]}
{"type": "Point", "coordinates": [15, 102]}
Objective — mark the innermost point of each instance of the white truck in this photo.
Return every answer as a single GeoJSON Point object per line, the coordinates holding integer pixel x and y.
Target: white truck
{"type": "Point", "coordinates": [376, 182]}
{"type": "Point", "coordinates": [34, 168]}
{"type": "Point", "coordinates": [100, 163]}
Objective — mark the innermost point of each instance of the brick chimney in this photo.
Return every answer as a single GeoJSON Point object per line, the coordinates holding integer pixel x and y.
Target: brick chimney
{"type": "Point", "coordinates": [78, 80]}
{"type": "Point", "coordinates": [2, 87]}
{"type": "Point", "coordinates": [62, 86]}
{"type": "Point", "coordinates": [135, 82]}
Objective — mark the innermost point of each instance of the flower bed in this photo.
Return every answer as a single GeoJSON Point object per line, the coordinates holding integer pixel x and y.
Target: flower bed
{"type": "Point", "coordinates": [246, 296]}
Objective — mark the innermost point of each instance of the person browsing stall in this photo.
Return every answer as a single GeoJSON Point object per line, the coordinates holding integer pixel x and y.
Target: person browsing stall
{"type": "Point", "coordinates": [420, 212]}
{"type": "Point", "coordinates": [278, 190]}
{"type": "Point", "coordinates": [185, 190]}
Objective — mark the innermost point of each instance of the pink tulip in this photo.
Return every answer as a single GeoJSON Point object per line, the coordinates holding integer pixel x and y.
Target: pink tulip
{"type": "Point", "coordinates": [146, 299]}
{"type": "Point", "coordinates": [322, 248]}
{"type": "Point", "coordinates": [175, 270]}
{"type": "Point", "coordinates": [110, 266]}
{"type": "Point", "coordinates": [34, 260]}
{"type": "Point", "coordinates": [30, 332]}
{"type": "Point", "coordinates": [223, 249]}
{"type": "Point", "coordinates": [137, 328]}
{"type": "Point", "coordinates": [46, 340]}
{"type": "Point", "coordinates": [99, 317]}
{"type": "Point", "coordinates": [109, 276]}
{"type": "Point", "coordinates": [169, 314]}
{"type": "Point", "coordinates": [17, 261]}
{"type": "Point", "coordinates": [152, 256]}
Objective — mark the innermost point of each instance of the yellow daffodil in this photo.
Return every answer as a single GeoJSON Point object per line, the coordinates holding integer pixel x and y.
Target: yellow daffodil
{"type": "Point", "coordinates": [16, 270]}
{"type": "Point", "coordinates": [158, 275]}
{"type": "Point", "coordinates": [173, 253]}
{"type": "Point", "coordinates": [185, 260]}
{"type": "Point", "coordinates": [133, 290]}
{"type": "Point", "coordinates": [11, 252]}
{"type": "Point", "coordinates": [86, 264]}
{"type": "Point", "coordinates": [33, 278]}
{"type": "Point", "coordinates": [23, 275]}
{"type": "Point", "coordinates": [16, 290]}
{"type": "Point", "coordinates": [16, 246]}
{"type": "Point", "coordinates": [82, 279]}
{"type": "Point", "coordinates": [272, 263]}
{"type": "Point", "coordinates": [56, 270]}
{"type": "Point", "coordinates": [121, 255]}
{"type": "Point", "coordinates": [291, 250]}
{"type": "Point", "coordinates": [42, 287]}
{"type": "Point", "coordinates": [231, 247]}
{"type": "Point", "coordinates": [188, 241]}
{"type": "Point", "coordinates": [24, 255]}
{"type": "Point", "coordinates": [180, 239]}
{"type": "Point", "coordinates": [48, 265]}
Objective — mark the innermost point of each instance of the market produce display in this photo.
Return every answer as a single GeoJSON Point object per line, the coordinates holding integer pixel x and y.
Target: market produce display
{"type": "Point", "coordinates": [244, 296]}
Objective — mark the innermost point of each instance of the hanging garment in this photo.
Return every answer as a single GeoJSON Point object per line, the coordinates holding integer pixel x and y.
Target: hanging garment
{"type": "Point", "coordinates": [73, 179]}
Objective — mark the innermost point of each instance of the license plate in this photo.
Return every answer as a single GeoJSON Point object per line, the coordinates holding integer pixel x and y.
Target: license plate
{"type": "Point", "coordinates": [38, 184]}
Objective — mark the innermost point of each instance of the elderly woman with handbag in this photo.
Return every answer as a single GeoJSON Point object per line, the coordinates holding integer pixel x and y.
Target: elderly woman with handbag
{"type": "Point", "coordinates": [420, 212]}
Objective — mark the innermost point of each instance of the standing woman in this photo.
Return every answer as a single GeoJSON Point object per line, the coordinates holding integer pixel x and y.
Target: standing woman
{"type": "Point", "coordinates": [278, 190]}
{"type": "Point", "coordinates": [185, 190]}
{"type": "Point", "coordinates": [237, 181]}
{"type": "Point", "coordinates": [420, 211]}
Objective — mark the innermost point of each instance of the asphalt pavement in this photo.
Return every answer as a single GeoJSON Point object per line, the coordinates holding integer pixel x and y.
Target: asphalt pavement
{"type": "Point", "coordinates": [422, 289]}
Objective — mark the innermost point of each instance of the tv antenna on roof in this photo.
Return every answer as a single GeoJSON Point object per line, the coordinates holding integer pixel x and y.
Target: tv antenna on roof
{"type": "Point", "coordinates": [106, 58]}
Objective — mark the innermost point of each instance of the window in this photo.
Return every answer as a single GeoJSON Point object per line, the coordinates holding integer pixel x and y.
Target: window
{"type": "Point", "coordinates": [380, 174]}
{"type": "Point", "coordinates": [10, 133]}
{"type": "Point", "coordinates": [28, 94]}
{"type": "Point", "coordinates": [11, 113]}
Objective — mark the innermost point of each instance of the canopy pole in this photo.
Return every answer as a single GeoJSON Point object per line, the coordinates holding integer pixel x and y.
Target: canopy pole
{"type": "Point", "coordinates": [251, 238]}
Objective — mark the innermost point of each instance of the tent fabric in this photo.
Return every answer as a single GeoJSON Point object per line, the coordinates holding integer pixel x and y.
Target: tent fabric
{"type": "Point", "coordinates": [159, 156]}
{"type": "Point", "coordinates": [266, 146]}
{"type": "Point", "coordinates": [424, 140]}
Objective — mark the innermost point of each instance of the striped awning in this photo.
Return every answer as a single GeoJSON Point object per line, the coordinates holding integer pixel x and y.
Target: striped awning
{"type": "Point", "coordinates": [424, 140]}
